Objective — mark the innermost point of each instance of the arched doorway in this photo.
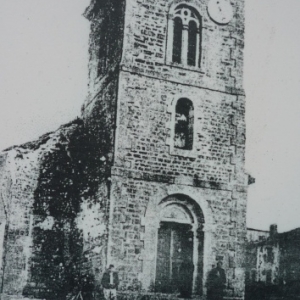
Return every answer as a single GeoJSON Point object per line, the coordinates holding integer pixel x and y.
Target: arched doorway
{"type": "Point", "coordinates": [179, 257]}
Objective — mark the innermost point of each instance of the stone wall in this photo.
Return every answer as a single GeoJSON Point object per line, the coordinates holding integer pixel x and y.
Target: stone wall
{"type": "Point", "coordinates": [146, 124]}
{"type": "Point", "coordinates": [54, 199]}
{"type": "Point", "coordinates": [99, 115]}
{"type": "Point", "coordinates": [254, 235]}
{"type": "Point", "coordinates": [18, 181]}
{"type": "Point", "coordinates": [133, 245]}
{"type": "Point", "coordinates": [148, 169]}
{"type": "Point", "coordinates": [147, 166]}
{"type": "Point", "coordinates": [134, 35]}
{"type": "Point", "coordinates": [106, 41]}
{"type": "Point", "coordinates": [145, 39]}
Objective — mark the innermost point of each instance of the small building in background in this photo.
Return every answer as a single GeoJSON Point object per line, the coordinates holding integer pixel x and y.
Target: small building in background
{"type": "Point", "coordinates": [272, 263]}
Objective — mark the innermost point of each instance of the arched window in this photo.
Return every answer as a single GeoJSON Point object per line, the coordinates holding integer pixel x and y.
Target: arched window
{"type": "Point", "coordinates": [184, 36]}
{"type": "Point", "coordinates": [184, 124]}
{"type": "Point", "coordinates": [192, 46]}
{"type": "Point", "coordinates": [177, 41]}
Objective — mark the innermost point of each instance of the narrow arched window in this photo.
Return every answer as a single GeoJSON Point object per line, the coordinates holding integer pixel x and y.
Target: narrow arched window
{"type": "Point", "coordinates": [184, 124]}
{"type": "Point", "coordinates": [177, 41]}
{"type": "Point", "coordinates": [192, 45]}
{"type": "Point", "coordinates": [184, 36]}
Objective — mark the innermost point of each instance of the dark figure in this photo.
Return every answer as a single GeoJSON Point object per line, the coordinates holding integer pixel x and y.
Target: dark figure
{"type": "Point", "coordinates": [216, 283]}
{"type": "Point", "coordinates": [110, 282]}
{"type": "Point", "coordinates": [186, 280]}
{"type": "Point", "coordinates": [87, 286]}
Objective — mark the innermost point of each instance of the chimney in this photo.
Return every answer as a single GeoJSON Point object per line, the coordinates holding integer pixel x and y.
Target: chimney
{"type": "Point", "coordinates": [273, 231]}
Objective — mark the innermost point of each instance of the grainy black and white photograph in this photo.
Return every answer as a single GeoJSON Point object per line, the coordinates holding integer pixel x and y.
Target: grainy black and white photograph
{"type": "Point", "coordinates": [149, 150]}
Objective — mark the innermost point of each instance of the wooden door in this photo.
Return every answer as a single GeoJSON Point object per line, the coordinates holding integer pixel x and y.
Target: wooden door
{"type": "Point", "coordinates": [174, 266]}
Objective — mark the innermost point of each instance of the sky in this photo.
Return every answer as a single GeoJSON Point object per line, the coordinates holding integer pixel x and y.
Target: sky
{"type": "Point", "coordinates": [43, 83]}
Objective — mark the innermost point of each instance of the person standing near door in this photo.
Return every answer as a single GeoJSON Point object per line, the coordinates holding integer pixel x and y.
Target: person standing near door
{"type": "Point", "coordinates": [186, 279]}
{"type": "Point", "coordinates": [216, 283]}
{"type": "Point", "coordinates": [110, 282]}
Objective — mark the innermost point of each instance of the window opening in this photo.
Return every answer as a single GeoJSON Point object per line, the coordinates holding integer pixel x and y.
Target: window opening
{"type": "Point", "coordinates": [185, 36]}
{"type": "Point", "coordinates": [192, 43]}
{"type": "Point", "coordinates": [184, 124]}
{"type": "Point", "coordinates": [177, 42]}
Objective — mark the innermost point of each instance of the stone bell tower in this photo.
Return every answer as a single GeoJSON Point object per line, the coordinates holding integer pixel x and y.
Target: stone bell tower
{"type": "Point", "coordinates": [166, 109]}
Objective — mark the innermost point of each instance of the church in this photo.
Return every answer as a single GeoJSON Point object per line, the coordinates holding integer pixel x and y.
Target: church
{"type": "Point", "coordinates": [151, 177]}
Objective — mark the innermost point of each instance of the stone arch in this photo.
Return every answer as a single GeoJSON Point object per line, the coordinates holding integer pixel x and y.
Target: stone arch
{"type": "Point", "coordinates": [184, 124]}
{"type": "Point", "coordinates": [188, 212]}
{"type": "Point", "coordinates": [173, 117]}
{"type": "Point", "coordinates": [184, 34]}
{"type": "Point", "coordinates": [189, 203]}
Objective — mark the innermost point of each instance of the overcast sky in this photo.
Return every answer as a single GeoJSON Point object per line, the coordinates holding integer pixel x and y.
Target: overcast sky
{"type": "Point", "coordinates": [43, 83]}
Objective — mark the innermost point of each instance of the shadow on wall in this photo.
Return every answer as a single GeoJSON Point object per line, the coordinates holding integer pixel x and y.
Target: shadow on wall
{"type": "Point", "coordinates": [261, 291]}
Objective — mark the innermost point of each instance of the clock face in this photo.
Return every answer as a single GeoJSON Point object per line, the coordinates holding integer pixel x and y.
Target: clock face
{"type": "Point", "coordinates": [220, 11]}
